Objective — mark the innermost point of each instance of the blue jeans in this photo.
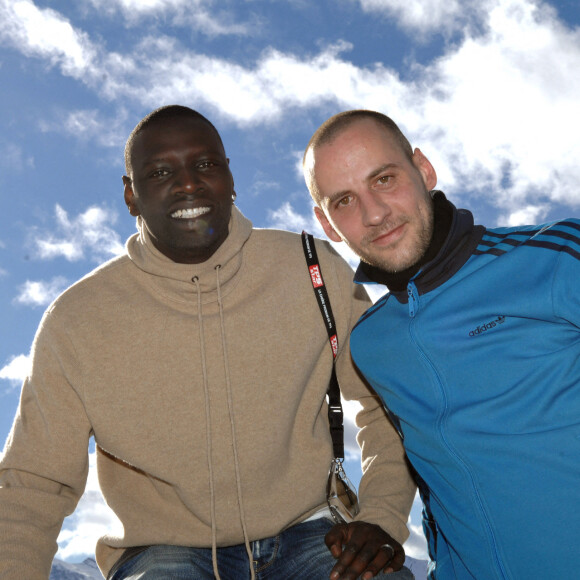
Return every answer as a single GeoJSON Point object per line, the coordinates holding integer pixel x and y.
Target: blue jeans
{"type": "Point", "coordinates": [298, 553]}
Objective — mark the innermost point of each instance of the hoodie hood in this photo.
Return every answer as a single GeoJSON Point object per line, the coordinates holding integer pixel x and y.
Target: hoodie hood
{"type": "Point", "coordinates": [175, 278]}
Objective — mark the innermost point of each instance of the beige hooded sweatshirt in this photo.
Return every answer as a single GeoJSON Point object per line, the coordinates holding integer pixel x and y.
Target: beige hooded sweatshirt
{"type": "Point", "coordinates": [204, 389]}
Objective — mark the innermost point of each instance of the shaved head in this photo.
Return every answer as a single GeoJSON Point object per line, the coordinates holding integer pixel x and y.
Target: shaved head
{"type": "Point", "coordinates": [334, 126]}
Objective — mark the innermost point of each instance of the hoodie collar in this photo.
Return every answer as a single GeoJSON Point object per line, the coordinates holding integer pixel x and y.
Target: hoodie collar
{"type": "Point", "coordinates": [176, 279]}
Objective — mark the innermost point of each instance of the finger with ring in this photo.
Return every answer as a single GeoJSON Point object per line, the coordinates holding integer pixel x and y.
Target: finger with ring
{"type": "Point", "coordinates": [390, 548]}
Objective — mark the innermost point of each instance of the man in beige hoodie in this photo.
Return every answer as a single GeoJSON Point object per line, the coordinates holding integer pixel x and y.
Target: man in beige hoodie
{"type": "Point", "coordinates": [199, 362]}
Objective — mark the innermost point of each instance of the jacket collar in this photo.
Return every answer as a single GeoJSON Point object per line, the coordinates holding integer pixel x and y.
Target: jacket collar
{"type": "Point", "coordinates": [461, 241]}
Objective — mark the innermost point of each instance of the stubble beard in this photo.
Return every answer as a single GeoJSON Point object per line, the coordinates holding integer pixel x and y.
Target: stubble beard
{"type": "Point", "coordinates": [406, 252]}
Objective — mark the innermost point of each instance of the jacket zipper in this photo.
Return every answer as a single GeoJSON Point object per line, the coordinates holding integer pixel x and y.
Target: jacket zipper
{"type": "Point", "coordinates": [414, 305]}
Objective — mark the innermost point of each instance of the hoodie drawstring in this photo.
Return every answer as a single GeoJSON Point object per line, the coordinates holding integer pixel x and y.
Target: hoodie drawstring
{"type": "Point", "coordinates": [195, 280]}
{"type": "Point", "coordinates": [233, 427]}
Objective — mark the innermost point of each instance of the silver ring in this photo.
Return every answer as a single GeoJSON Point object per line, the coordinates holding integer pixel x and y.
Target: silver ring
{"type": "Point", "coordinates": [389, 547]}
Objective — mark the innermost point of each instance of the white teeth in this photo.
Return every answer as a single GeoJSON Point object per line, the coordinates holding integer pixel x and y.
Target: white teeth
{"type": "Point", "coordinates": [190, 213]}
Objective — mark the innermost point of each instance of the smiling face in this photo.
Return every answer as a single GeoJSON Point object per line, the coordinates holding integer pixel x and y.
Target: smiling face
{"type": "Point", "coordinates": [182, 187]}
{"type": "Point", "coordinates": [372, 196]}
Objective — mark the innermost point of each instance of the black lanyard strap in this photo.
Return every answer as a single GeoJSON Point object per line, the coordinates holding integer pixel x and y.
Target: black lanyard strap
{"type": "Point", "coordinates": [335, 414]}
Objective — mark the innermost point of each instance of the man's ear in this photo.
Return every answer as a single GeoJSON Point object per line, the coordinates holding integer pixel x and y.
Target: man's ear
{"type": "Point", "coordinates": [232, 178]}
{"type": "Point", "coordinates": [427, 171]}
{"type": "Point", "coordinates": [129, 196]}
{"type": "Point", "coordinates": [326, 225]}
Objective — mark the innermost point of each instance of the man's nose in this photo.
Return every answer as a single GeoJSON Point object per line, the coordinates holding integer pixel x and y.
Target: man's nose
{"type": "Point", "coordinates": [375, 209]}
{"type": "Point", "coordinates": [186, 179]}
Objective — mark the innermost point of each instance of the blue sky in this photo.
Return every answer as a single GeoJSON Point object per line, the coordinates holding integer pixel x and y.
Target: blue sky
{"type": "Point", "coordinates": [488, 89]}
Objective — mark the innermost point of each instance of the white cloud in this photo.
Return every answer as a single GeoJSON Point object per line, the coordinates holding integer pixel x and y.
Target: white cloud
{"type": "Point", "coordinates": [41, 293]}
{"type": "Point", "coordinates": [261, 185]}
{"type": "Point", "coordinates": [132, 7]}
{"type": "Point", "coordinates": [416, 545]}
{"type": "Point", "coordinates": [489, 101]}
{"type": "Point", "coordinates": [16, 370]}
{"type": "Point", "coordinates": [91, 520]}
{"type": "Point", "coordinates": [14, 159]}
{"type": "Point", "coordinates": [160, 70]}
{"type": "Point", "coordinates": [203, 15]}
{"type": "Point", "coordinates": [287, 218]}
{"type": "Point", "coordinates": [526, 215]}
{"type": "Point", "coordinates": [425, 15]}
{"type": "Point", "coordinates": [350, 410]}
{"type": "Point", "coordinates": [89, 232]}
{"type": "Point", "coordinates": [476, 111]}
{"type": "Point", "coordinates": [90, 126]}
{"type": "Point", "coordinates": [3, 272]}
{"type": "Point", "coordinates": [45, 33]}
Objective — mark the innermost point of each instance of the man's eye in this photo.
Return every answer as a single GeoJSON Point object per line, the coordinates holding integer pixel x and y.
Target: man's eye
{"type": "Point", "coordinates": [384, 179]}
{"type": "Point", "coordinates": [206, 165]}
{"type": "Point", "coordinates": [159, 173]}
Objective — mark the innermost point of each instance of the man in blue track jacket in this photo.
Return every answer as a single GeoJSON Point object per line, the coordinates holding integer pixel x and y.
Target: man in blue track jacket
{"type": "Point", "coordinates": [475, 352]}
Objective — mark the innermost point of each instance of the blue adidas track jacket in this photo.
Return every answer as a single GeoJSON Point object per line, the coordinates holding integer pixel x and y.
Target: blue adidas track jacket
{"type": "Point", "coordinates": [478, 364]}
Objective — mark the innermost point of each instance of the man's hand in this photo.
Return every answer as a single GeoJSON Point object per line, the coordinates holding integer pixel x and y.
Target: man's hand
{"type": "Point", "coordinates": [363, 550]}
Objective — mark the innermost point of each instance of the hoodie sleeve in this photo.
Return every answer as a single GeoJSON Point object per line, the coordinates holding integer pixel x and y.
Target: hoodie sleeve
{"type": "Point", "coordinates": [386, 489]}
{"type": "Point", "coordinates": [45, 463]}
